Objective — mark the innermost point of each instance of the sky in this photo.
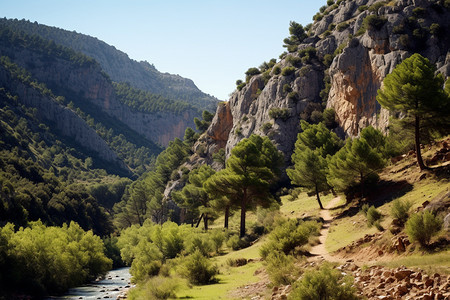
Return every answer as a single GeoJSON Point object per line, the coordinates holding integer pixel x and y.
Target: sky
{"type": "Point", "coordinates": [209, 41]}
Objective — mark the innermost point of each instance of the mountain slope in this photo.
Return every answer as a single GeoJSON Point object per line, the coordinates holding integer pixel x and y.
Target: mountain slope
{"type": "Point", "coordinates": [119, 66]}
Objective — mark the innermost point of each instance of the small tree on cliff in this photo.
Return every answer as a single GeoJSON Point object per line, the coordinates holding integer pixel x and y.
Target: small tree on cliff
{"type": "Point", "coordinates": [253, 166]}
{"type": "Point", "coordinates": [413, 88]}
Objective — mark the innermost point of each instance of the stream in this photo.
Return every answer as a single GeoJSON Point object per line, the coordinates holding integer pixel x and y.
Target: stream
{"type": "Point", "coordinates": [115, 283]}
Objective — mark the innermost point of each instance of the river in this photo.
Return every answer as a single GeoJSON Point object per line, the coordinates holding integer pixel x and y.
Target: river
{"type": "Point", "coordinates": [116, 282]}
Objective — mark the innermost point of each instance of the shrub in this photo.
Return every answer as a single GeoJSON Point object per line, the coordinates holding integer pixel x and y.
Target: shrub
{"type": "Point", "coordinates": [422, 227]}
{"type": "Point", "coordinates": [198, 269]}
{"type": "Point", "coordinates": [376, 6]}
{"type": "Point", "coordinates": [287, 71]}
{"type": "Point", "coordinates": [436, 29]}
{"type": "Point", "coordinates": [373, 215]}
{"type": "Point", "coordinates": [288, 235]}
{"type": "Point", "coordinates": [331, 26]}
{"type": "Point", "coordinates": [362, 8]}
{"type": "Point", "coordinates": [330, 2]}
{"type": "Point", "coordinates": [287, 88]}
{"type": "Point", "coordinates": [276, 70]}
{"type": "Point", "coordinates": [279, 113]}
{"type": "Point", "coordinates": [329, 118]}
{"type": "Point", "coordinates": [400, 210]}
{"type": "Point", "coordinates": [241, 86]}
{"type": "Point", "coordinates": [236, 262]}
{"type": "Point", "coordinates": [419, 12]}
{"type": "Point", "coordinates": [266, 127]}
{"type": "Point", "coordinates": [325, 283]}
{"type": "Point", "coordinates": [317, 17]}
{"type": "Point", "coordinates": [316, 117]}
{"type": "Point", "coordinates": [293, 96]}
{"type": "Point", "coordinates": [251, 72]}
{"type": "Point", "coordinates": [342, 26]}
{"type": "Point", "coordinates": [374, 22]}
{"type": "Point", "coordinates": [235, 243]}
{"type": "Point", "coordinates": [217, 238]}
{"type": "Point", "coordinates": [280, 268]}
{"type": "Point", "coordinates": [294, 60]}
{"type": "Point", "coordinates": [199, 242]}
{"type": "Point", "coordinates": [328, 59]}
{"type": "Point", "coordinates": [156, 288]}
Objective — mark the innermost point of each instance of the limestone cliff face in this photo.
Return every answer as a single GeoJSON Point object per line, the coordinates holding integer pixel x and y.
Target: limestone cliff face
{"type": "Point", "coordinates": [64, 119]}
{"type": "Point", "coordinates": [362, 57]}
{"type": "Point", "coordinates": [89, 83]}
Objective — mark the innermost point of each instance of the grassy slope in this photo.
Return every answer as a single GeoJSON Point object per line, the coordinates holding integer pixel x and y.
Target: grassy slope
{"type": "Point", "coordinates": [343, 231]}
{"type": "Point", "coordinates": [399, 181]}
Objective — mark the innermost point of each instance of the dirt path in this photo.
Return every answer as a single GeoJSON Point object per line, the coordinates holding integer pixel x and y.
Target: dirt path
{"type": "Point", "coordinates": [319, 250]}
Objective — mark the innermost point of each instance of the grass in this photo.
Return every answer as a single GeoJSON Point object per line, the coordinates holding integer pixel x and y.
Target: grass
{"type": "Point", "coordinates": [430, 263]}
{"type": "Point", "coordinates": [229, 278]}
{"type": "Point", "coordinates": [303, 206]}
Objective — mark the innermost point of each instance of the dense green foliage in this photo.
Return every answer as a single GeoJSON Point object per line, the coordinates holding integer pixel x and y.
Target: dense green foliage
{"type": "Point", "coordinates": [194, 198]}
{"type": "Point", "coordinates": [313, 145]}
{"type": "Point", "coordinates": [38, 174]}
{"type": "Point", "coordinates": [400, 210]}
{"type": "Point", "coordinates": [144, 198]}
{"type": "Point", "coordinates": [40, 260]}
{"type": "Point", "coordinates": [297, 35]}
{"type": "Point", "coordinates": [357, 161]}
{"type": "Point", "coordinates": [253, 166]}
{"type": "Point", "coordinates": [150, 247]}
{"type": "Point", "coordinates": [325, 283]}
{"type": "Point", "coordinates": [147, 102]}
{"type": "Point", "coordinates": [421, 227]}
{"type": "Point", "coordinates": [288, 235]}
{"type": "Point", "coordinates": [413, 89]}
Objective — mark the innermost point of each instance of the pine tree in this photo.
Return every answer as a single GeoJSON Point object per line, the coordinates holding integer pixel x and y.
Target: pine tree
{"type": "Point", "coordinates": [413, 88]}
{"type": "Point", "coordinates": [252, 167]}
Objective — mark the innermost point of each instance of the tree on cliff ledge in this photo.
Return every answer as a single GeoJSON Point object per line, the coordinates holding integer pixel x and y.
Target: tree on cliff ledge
{"type": "Point", "coordinates": [413, 89]}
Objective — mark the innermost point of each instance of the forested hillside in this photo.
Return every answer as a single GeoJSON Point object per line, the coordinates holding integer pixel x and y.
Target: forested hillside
{"type": "Point", "coordinates": [119, 66]}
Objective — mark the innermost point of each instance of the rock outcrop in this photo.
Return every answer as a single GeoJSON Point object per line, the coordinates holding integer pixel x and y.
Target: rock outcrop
{"type": "Point", "coordinates": [273, 102]}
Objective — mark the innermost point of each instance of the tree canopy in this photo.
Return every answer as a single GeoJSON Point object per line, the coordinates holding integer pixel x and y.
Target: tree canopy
{"type": "Point", "coordinates": [414, 89]}
{"type": "Point", "coordinates": [253, 166]}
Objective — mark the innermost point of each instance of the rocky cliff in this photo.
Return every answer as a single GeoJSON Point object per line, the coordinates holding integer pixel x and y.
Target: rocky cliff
{"type": "Point", "coordinates": [350, 48]}
{"type": "Point", "coordinates": [87, 85]}
{"type": "Point", "coordinates": [64, 120]}
{"type": "Point", "coordinates": [119, 66]}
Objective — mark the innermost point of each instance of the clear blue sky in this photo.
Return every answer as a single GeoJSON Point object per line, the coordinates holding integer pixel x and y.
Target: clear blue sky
{"type": "Point", "coordinates": [211, 42]}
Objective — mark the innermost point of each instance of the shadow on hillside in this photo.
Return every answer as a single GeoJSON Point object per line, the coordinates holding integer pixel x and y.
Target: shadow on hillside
{"type": "Point", "coordinates": [385, 191]}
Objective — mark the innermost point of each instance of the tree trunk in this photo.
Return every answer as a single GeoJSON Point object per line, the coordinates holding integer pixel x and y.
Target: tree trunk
{"type": "Point", "coordinates": [198, 222]}
{"type": "Point", "coordinates": [417, 140]}
{"type": "Point", "coordinates": [227, 214]}
{"type": "Point", "coordinates": [243, 212]}
{"type": "Point", "coordinates": [362, 184]}
{"type": "Point", "coordinates": [205, 221]}
{"type": "Point", "coordinates": [318, 198]}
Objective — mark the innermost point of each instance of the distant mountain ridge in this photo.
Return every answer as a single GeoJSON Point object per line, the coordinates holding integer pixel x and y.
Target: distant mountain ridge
{"type": "Point", "coordinates": [119, 66]}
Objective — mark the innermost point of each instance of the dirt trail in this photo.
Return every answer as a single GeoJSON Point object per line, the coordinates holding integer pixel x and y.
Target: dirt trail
{"type": "Point", "coordinates": [319, 250]}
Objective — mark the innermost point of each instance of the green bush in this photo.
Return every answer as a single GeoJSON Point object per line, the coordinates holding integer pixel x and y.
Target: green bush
{"type": "Point", "coordinates": [279, 113]}
{"type": "Point", "coordinates": [217, 238]}
{"type": "Point", "coordinates": [373, 215]}
{"type": "Point", "coordinates": [198, 269]}
{"type": "Point", "coordinates": [251, 72]}
{"type": "Point", "coordinates": [157, 287]}
{"type": "Point", "coordinates": [294, 60]}
{"type": "Point", "coordinates": [422, 227]}
{"type": "Point", "coordinates": [236, 243]}
{"type": "Point", "coordinates": [241, 86]}
{"type": "Point", "coordinates": [374, 22]}
{"type": "Point", "coordinates": [287, 71]}
{"type": "Point", "coordinates": [276, 70]}
{"type": "Point", "coordinates": [280, 268]}
{"type": "Point", "coordinates": [362, 8]}
{"type": "Point", "coordinates": [266, 127]}
{"type": "Point", "coordinates": [325, 283]}
{"type": "Point", "coordinates": [288, 235]}
{"type": "Point", "coordinates": [330, 2]}
{"type": "Point", "coordinates": [342, 26]}
{"type": "Point", "coordinates": [287, 88]}
{"type": "Point", "coordinates": [376, 6]}
{"type": "Point", "coordinates": [400, 210]}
